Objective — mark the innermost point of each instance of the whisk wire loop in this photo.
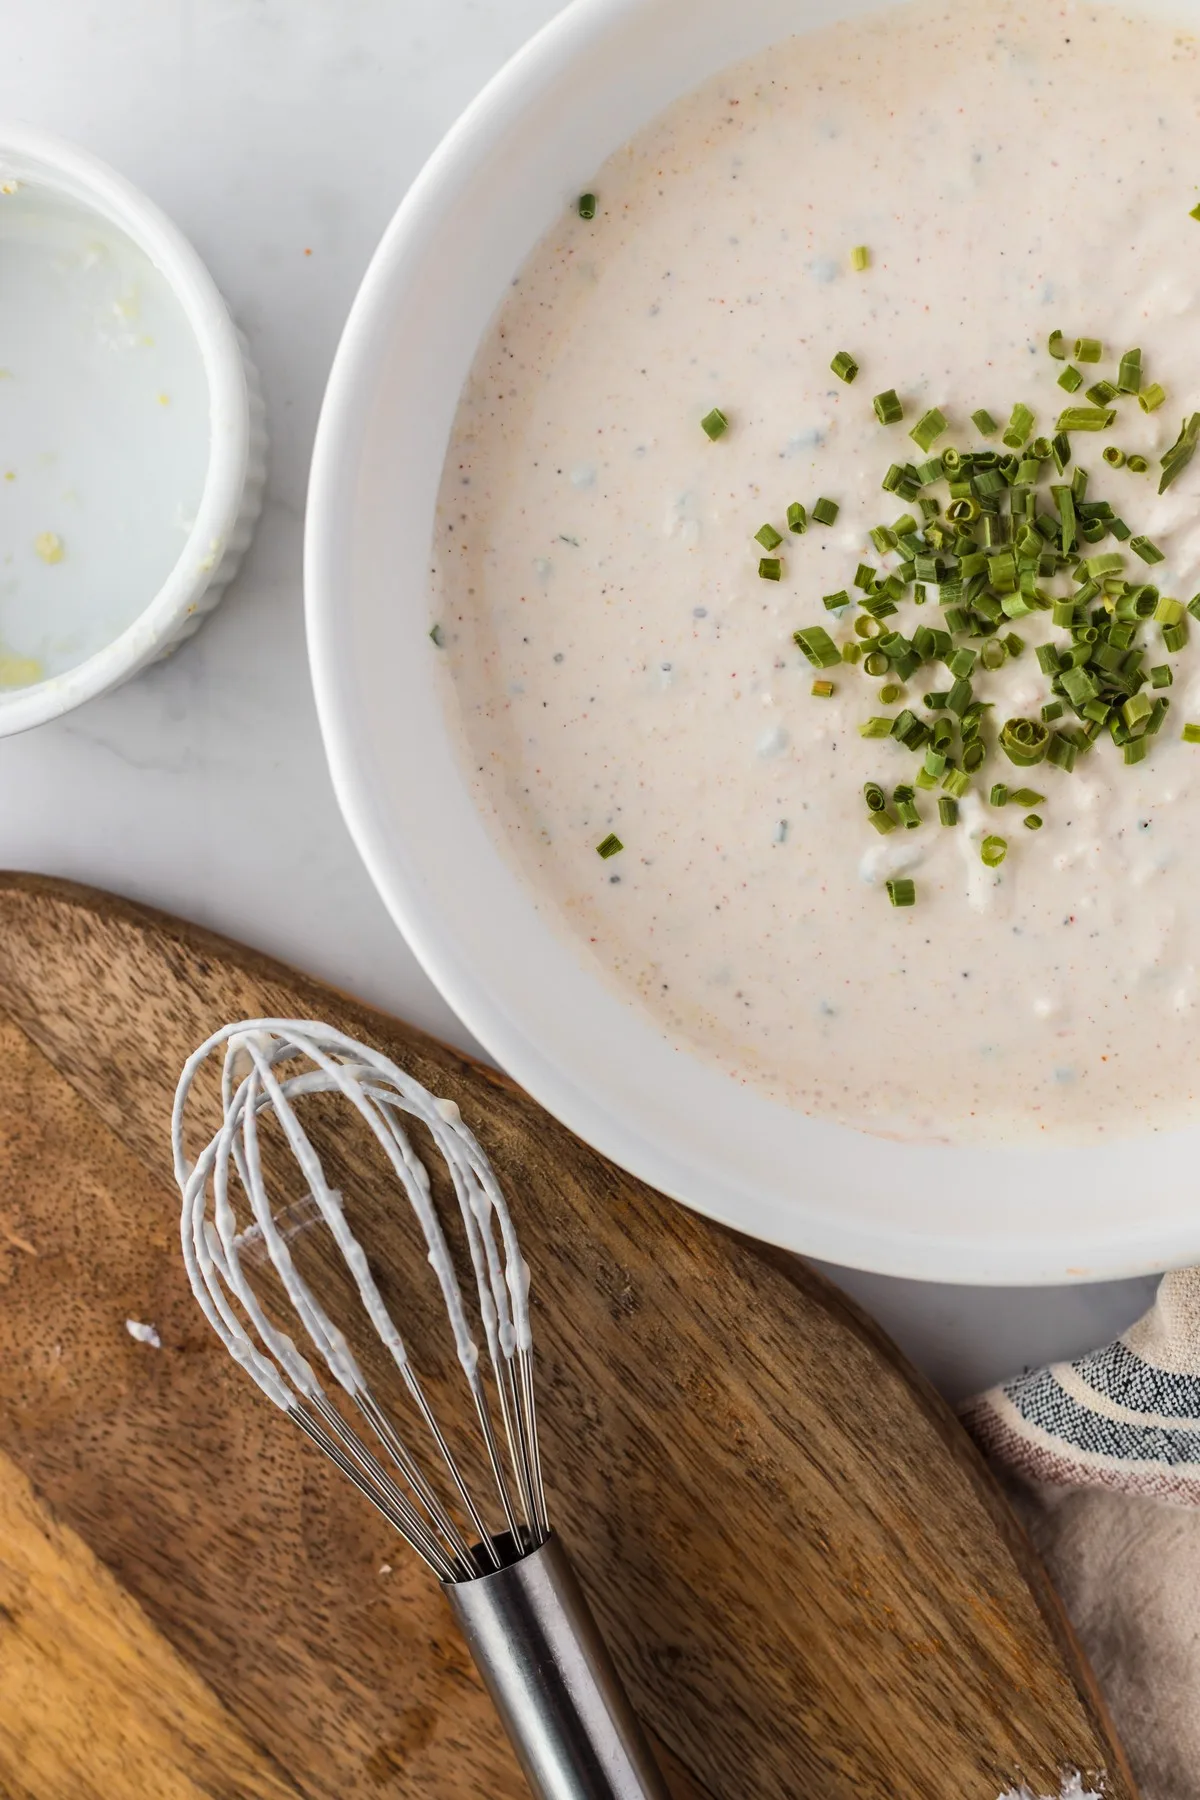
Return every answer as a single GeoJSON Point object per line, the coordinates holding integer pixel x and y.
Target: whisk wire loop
{"type": "Point", "coordinates": [269, 1066]}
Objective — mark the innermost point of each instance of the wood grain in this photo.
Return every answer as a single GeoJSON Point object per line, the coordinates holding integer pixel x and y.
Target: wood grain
{"type": "Point", "coordinates": [804, 1569]}
{"type": "Point", "coordinates": [94, 1704]}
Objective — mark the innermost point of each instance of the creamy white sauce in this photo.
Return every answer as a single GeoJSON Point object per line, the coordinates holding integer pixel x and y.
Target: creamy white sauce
{"type": "Point", "coordinates": [104, 433]}
{"type": "Point", "coordinates": [618, 665]}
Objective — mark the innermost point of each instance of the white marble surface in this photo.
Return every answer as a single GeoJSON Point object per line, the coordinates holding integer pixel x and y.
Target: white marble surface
{"type": "Point", "coordinates": [268, 129]}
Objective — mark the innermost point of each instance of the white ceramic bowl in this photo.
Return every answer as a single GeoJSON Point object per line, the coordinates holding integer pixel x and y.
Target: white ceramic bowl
{"type": "Point", "coordinates": [229, 438]}
{"type": "Point", "coordinates": [527, 146]}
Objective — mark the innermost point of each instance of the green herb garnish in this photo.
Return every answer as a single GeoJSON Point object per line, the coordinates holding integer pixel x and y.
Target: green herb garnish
{"type": "Point", "coordinates": [902, 891]}
{"type": "Point", "coordinates": [888, 409]}
{"type": "Point", "coordinates": [819, 647]}
{"type": "Point", "coordinates": [825, 512]}
{"type": "Point", "coordinates": [1086, 418]}
{"type": "Point", "coordinates": [928, 428]}
{"type": "Point", "coordinates": [609, 846]}
{"type": "Point", "coordinates": [1181, 452]}
{"type": "Point", "coordinates": [714, 424]}
{"type": "Point", "coordinates": [993, 851]}
{"type": "Point", "coordinates": [587, 206]}
{"type": "Point", "coordinates": [1019, 427]}
{"type": "Point", "coordinates": [1129, 376]}
{"type": "Point", "coordinates": [844, 366]}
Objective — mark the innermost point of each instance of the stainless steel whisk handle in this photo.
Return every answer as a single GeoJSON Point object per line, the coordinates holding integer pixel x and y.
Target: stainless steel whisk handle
{"type": "Point", "coordinates": [553, 1682]}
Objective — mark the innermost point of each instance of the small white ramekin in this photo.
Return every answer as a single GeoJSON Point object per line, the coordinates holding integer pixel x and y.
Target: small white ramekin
{"type": "Point", "coordinates": [236, 475]}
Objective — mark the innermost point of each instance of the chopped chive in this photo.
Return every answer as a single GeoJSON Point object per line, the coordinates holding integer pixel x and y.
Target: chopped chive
{"type": "Point", "coordinates": [609, 846]}
{"type": "Point", "coordinates": [587, 206]}
{"type": "Point", "coordinates": [888, 409]}
{"type": "Point", "coordinates": [1088, 350]}
{"type": "Point", "coordinates": [1071, 379]}
{"type": "Point", "coordinates": [1114, 457]}
{"type": "Point", "coordinates": [1151, 398]}
{"type": "Point", "coordinates": [770, 568]}
{"type": "Point", "coordinates": [1019, 427]}
{"type": "Point", "coordinates": [860, 258]}
{"type": "Point", "coordinates": [947, 810]}
{"type": "Point", "coordinates": [844, 366]}
{"type": "Point", "coordinates": [1174, 637]}
{"type": "Point", "coordinates": [1181, 452]}
{"type": "Point", "coordinates": [437, 637]}
{"type": "Point", "coordinates": [825, 512]}
{"type": "Point", "coordinates": [928, 429]}
{"type": "Point", "coordinates": [984, 422]}
{"type": "Point", "coordinates": [1195, 213]}
{"type": "Point", "coordinates": [1191, 734]}
{"type": "Point", "coordinates": [1108, 562]}
{"type": "Point", "coordinates": [874, 796]}
{"type": "Point", "coordinates": [998, 795]}
{"type": "Point", "coordinates": [1032, 821]}
{"type": "Point", "coordinates": [818, 646]}
{"type": "Point", "coordinates": [1052, 710]}
{"type": "Point", "coordinates": [875, 728]}
{"type": "Point", "coordinates": [768, 537]}
{"type": "Point", "coordinates": [851, 652]}
{"type": "Point", "coordinates": [823, 689]}
{"type": "Point", "coordinates": [1161, 675]}
{"type": "Point", "coordinates": [1101, 392]}
{"type": "Point", "coordinates": [1024, 796]}
{"type": "Point", "coordinates": [890, 692]}
{"type": "Point", "coordinates": [993, 851]}
{"type": "Point", "coordinates": [1085, 418]}
{"type": "Point", "coordinates": [955, 782]}
{"type": "Point", "coordinates": [1024, 741]}
{"type": "Point", "coordinates": [902, 892]}
{"type": "Point", "coordinates": [1148, 551]}
{"type": "Point", "coordinates": [882, 821]}
{"type": "Point", "coordinates": [1167, 611]}
{"type": "Point", "coordinates": [714, 424]}
{"type": "Point", "coordinates": [1062, 752]}
{"type": "Point", "coordinates": [797, 518]}
{"type": "Point", "coordinates": [1057, 346]}
{"type": "Point", "coordinates": [1129, 375]}
{"type": "Point", "coordinates": [835, 602]}
{"type": "Point", "coordinates": [1137, 464]}
{"type": "Point", "coordinates": [1135, 750]}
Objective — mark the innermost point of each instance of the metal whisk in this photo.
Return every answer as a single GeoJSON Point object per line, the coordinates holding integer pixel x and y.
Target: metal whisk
{"type": "Point", "coordinates": [512, 1590]}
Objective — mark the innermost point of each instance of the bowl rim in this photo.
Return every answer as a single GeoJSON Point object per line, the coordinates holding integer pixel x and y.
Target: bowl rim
{"type": "Point", "coordinates": [1138, 1244]}
{"type": "Point", "coordinates": [66, 168]}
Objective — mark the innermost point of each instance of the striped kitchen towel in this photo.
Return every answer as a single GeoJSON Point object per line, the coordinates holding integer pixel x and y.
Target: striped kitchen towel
{"type": "Point", "coordinates": [1105, 1452]}
{"type": "Point", "coordinates": [1126, 1417]}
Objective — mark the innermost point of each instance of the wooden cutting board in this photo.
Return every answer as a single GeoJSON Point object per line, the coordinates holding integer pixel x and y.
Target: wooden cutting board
{"type": "Point", "coordinates": [808, 1576]}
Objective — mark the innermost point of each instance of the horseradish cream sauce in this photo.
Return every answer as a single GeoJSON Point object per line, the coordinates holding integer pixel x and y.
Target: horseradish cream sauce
{"type": "Point", "coordinates": [618, 665]}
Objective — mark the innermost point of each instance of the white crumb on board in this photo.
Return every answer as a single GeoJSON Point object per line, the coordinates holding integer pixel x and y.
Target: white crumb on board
{"type": "Point", "coordinates": [1072, 1789]}
{"type": "Point", "coordinates": [145, 1334]}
